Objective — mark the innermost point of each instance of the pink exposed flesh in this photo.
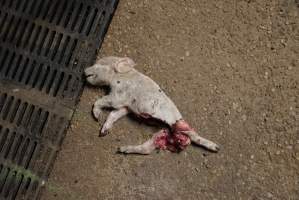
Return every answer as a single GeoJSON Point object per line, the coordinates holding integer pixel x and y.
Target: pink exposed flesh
{"type": "Point", "coordinates": [175, 140]}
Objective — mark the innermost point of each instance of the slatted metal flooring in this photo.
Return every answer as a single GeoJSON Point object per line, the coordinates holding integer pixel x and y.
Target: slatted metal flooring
{"type": "Point", "coordinates": [44, 47]}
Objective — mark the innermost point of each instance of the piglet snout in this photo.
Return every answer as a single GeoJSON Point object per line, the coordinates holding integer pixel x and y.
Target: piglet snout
{"type": "Point", "coordinates": [88, 72]}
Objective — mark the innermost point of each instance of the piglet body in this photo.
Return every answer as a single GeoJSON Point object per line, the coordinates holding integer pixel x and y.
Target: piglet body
{"type": "Point", "coordinates": [132, 91]}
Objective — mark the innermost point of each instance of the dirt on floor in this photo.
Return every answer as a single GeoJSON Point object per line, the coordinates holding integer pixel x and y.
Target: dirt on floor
{"type": "Point", "coordinates": [232, 68]}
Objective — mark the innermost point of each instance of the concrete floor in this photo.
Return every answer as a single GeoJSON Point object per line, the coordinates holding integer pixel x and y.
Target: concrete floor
{"type": "Point", "coordinates": [231, 67]}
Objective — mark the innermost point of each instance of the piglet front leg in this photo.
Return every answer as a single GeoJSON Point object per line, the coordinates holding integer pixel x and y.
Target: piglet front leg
{"type": "Point", "coordinates": [101, 103]}
{"type": "Point", "coordinates": [112, 118]}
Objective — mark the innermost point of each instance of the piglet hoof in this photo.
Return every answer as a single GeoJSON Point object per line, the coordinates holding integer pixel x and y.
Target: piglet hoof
{"type": "Point", "coordinates": [122, 149]}
{"type": "Point", "coordinates": [96, 113]}
{"type": "Point", "coordinates": [213, 147]}
{"type": "Point", "coordinates": [103, 133]}
{"type": "Point", "coordinates": [127, 150]}
{"type": "Point", "coordinates": [105, 129]}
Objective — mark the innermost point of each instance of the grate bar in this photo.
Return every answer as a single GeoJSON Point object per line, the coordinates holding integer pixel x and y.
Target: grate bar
{"type": "Point", "coordinates": [44, 47]}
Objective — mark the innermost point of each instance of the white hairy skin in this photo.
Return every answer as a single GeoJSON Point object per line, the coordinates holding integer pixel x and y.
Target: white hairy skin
{"type": "Point", "coordinates": [132, 91]}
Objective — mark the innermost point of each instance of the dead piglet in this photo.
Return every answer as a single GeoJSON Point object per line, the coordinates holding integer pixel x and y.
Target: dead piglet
{"type": "Point", "coordinates": [132, 91]}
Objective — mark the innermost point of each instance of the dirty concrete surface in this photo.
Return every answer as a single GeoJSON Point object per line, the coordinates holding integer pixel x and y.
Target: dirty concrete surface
{"type": "Point", "coordinates": [231, 67]}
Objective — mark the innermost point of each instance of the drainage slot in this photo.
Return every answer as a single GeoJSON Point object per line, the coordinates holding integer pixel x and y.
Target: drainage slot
{"type": "Point", "coordinates": [15, 110]}
{"type": "Point", "coordinates": [43, 80]}
{"type": "Point", "coordinates": [7, 27]}
{"type": "Point", "coordinates": [37, 76]}
{"type": "Point", "coordinates": [21, 33]}
{"type": "Point", "coordinates": [27, 35]}
{"type": "Point", "coordinates": [29, 72]}
{"type": "Point", "coordinates": [61, 11]}
{"type": "Point", "coordinates": [9, 145]}
{"type": "Point", "coordinates": [65, 44]}
{"type": "Point", "coordinates": [84, 19]}
{"type": "Point", "coordinates": [10, 185]}
{"type": "Point", "coordinates": [22, 113]}
{"type": "Point", "coordinates": [49, 43]}
{"type": "Point", "coordinates": [55, 49]}
{"type": "Point", "coordinates": [75, 20]}
{"type": "Point", "coordinates": [4, 134]}
{"type": "Point", "coordinates": [68, 16]}
{"type": "Point", "coordinates": [17, 66]}
{"type": "Point", "coordinates": [36, 118]}
{"type": "Point", "coordinates": [2, 101]}
{"type": "Point", "coordinates": [58, 84]}
{"type": "Point", "coordinates": [39, 8]}
{"type": "Point", "coordinates": [17, 146]}
{"type": "Point", "coordinates": [4, 175]}
{"type": "Point", "coordinates": [70, 53]}
{"type": "Point", "coordinates": [7, 66]}
{"type": "Point", "coordinates": [18, 4]}
{"type": "Point", "coordinates": [43, 123]}
{"type": "Point", "coordinates": [6, 108]}
{"type": "Point", "coordinates": [35, 35]}
{"type": "Point", "coordinates": [18, 187]}
{"type": "Point", "coordinates": [91, 22]}
{"type": "Point", "coordinates": [49, 85]}
{"type": "Point", "coordinates": [15, 31]}
{"type": "Point", "coordinates": [23, 151]}
{"type": "Point", "coordinates": [44, 36]}
{"type": "Point", "coordinates": [30, 155]}
{"type": "Point", "coordinates": [3, 60]}
{"type": "Point", "coordinates": [54, 10]}
{"type": "Point", "coordinates": [22, 71]}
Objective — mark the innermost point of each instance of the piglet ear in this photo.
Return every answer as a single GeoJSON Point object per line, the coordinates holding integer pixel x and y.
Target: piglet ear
{"type": "Point", "coordinates": [124, 65]}
{"type": "Point", "coordinates": [109, 60]}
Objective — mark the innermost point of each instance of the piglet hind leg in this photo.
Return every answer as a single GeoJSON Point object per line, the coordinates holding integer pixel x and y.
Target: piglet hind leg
{"type": "Point", "coordinates": [145, 149]}
{"type": "Point", "coordinates": [112, 118]}
{"type": "Point", "coordinates": [158, 141]}
{"type": "Point", "coordinates": [198, 140]}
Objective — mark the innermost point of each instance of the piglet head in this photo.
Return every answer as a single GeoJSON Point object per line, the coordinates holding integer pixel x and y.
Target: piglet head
{"type": "Point", "coordinates": [104, 70]}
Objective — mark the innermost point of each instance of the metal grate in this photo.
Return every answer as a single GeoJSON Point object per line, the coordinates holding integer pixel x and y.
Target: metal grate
{"type": "Point", "coordinates": [44, 47]}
